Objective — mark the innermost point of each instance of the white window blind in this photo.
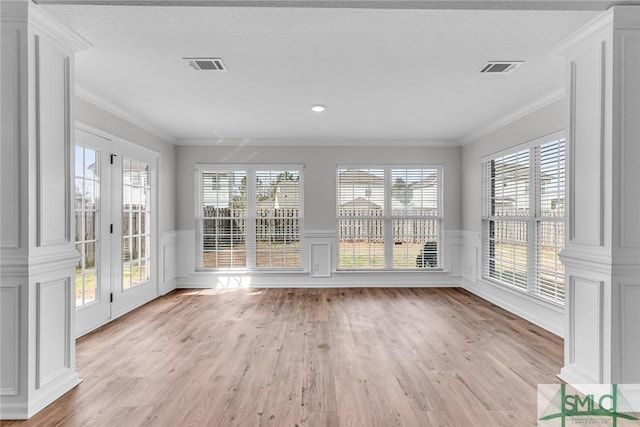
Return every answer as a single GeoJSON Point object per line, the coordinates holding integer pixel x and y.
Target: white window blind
{"type": "Point", "coordinates": [523, 220]}
{"type": "Point", "coordinates": [389, 217]}
{"type": "Point", "coordinates": [222, 224]}
{"type": "Point", "coordinates": [361, 207]}
{"type": "Point", "coordinates": [277, 219]}
{"type": "Point", "coordinates": [550, 178]}
{"type": "Point", "coordinates": [249, 217]}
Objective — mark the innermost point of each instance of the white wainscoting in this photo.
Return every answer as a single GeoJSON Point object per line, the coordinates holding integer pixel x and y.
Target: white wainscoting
{"type": "Point", "coordinates": [10, 147]}
{"type": "Point", "coordinates": [320, 252]}
{"type": "Point", "coordinates": [9, 338]}
{"type": "Point", "coordinates": [168, 256]}
{"type": "Point", "coordinates": [586, 325]}
{"type": "Point", "coordinates": [546, 315]}
{"type": "Point", "coordinates": [186, 254]}
{"type": "Point", "coordinates": [53, 329]}
{"type": "Point", "coordinates": [321, 246]}
{"type": "Point", "coordinates": [630, 331]}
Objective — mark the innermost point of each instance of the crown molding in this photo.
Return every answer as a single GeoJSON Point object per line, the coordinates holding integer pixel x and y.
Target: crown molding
{"type": "Point", "coordinates": [592, 30]}
{"type": "Point", "coordinates": [319, 142]}
{"type": "Point", "coordinates": [49, 25]}
{"type": "Point", "coordinates": [28, 12]}
{"type": "Point", "coordinates": [550, 98]}
{"type": "Point", "coordinates": [369, 4]}
{"type": "Point", "coordinates": [120, 112]}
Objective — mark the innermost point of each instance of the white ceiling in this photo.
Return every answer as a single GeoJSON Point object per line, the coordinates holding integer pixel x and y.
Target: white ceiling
{"type": "Point", "coordinates": [384, 74]}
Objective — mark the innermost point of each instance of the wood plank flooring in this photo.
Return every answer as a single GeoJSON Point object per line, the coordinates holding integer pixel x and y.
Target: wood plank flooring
{"type": "Point", "coordinates": [310, 357]}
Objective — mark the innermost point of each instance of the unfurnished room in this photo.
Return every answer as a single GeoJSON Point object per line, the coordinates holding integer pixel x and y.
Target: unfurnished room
{"type": "Point", "coordinates": [320, 213]}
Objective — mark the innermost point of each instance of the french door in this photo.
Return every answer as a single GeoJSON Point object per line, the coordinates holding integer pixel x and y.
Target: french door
{"type": "Point", "coordinates": [92, 231]}
{"type": "Point", "coordinates": [133, 223]}
{"type": "Point", "coordinates": [115, 223]}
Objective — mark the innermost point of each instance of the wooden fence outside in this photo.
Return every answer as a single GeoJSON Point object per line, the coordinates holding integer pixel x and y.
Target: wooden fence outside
{"type": "Point", "coordinates": [354, 227]}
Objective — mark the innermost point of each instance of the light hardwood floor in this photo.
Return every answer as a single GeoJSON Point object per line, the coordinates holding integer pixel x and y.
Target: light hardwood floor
{"type": "Point", "coordinates": [310, 357]}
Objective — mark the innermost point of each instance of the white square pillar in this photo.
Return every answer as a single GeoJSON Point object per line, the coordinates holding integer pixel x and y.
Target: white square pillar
{"type": "Point", "coordinates": [37, 250]}
{"type": "Point", "coordinates": [602, 252]}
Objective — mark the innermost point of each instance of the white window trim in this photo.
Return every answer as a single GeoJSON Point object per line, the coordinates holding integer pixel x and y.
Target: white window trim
{"type": "Point", "coordinates": [250, 169]}
{"type": "Point", "coordinates": [532, 219]}
{"type": "Point", "coordinates": [388, 218]}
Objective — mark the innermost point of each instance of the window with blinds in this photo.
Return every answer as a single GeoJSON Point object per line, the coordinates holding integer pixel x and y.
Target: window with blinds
{"type": "Point", "coordinates": [523, 219]}
{"type": "Point", "coordinates": [389, 217]}
{"type": "Point", "coordinates": [249, 217]}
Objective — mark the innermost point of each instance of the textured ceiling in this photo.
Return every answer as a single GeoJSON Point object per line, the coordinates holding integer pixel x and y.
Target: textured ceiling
{"type": "Point", "coordinates": [368, 4]}
{"type": "Point", "coordinates": [384, 74]}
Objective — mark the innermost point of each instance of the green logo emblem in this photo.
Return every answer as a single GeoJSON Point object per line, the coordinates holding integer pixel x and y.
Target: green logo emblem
{"type": "Point", "coordinates": [612, 405]}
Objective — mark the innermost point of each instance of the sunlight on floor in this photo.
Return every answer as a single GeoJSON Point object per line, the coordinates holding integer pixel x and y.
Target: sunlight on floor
{"type": "Point", "coordinates": [227, 284]}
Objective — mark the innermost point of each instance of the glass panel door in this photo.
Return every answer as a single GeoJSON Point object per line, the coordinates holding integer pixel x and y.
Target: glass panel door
{"type": "Point", "coordinates": [92, 218]}
{"type": "Point", "coordinates": [136, 230]}
{"type": "Point", "coordinates": [133, 240]}
{"type": "Point", "coordinates": [87, 191]}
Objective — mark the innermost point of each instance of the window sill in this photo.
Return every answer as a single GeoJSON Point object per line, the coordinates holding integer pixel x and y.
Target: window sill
{"type": "Point", "coordinates": [243, 271]}
{"type": "Point", "coordinates": [389, 270]}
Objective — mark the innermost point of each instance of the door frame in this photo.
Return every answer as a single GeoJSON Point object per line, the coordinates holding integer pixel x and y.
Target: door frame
{"type": "Point", "coordinates": [116, 143]}
{"type": "Point", "coordinates": [137, 295]}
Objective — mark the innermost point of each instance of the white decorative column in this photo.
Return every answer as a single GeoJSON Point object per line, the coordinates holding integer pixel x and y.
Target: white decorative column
{"type": "Point", "coordinates": [37, 251]}
{"type": "Point", "coordinates": [602, 254]}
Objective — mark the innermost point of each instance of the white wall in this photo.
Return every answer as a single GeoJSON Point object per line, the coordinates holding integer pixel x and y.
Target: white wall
{"type": "Point", "coordinates": [88, 113]}
{"type": "Point", "coordinates": [320, 207]}
{"type": "Point", "coordinates": [96, 117]}
{"type": "Point", "coordinates": [546, 120]}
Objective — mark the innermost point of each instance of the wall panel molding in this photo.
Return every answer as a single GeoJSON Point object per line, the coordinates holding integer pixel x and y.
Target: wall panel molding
{"type": "Point", "coordinates": [11, 136]}
{"type": "Point", "coordinates": [168, 256]}
{"type": "Point", "coordinates": [629, 136]}
{"type": "Point", "coordinates": [586, 165]}
{"type": "Point", "coordinates": [53, 330]}
{"type": "Point", "coordinates": [630, 334]}
{"type": "Point", "coordinates": [53, 144]}
{"type": "Point", "coordinates": [586, 326]}
{"type": "Point", "coordinates": [320, 264]}
{"type": "Point", "coordinates": [10, 340]}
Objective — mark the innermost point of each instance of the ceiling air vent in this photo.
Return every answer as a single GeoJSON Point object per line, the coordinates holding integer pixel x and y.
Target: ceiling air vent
{"type": "Point", "coordinates": [207, 64]}
{"type": "Point", "coordinates": [500, 67]}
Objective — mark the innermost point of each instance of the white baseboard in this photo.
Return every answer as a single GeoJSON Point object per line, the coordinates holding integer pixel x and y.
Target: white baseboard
{"type": "Point", "coordinates": [62, 386]}
{"type": "Point", "coordinates": [167, 287]}
{"type": "Point", "coordinates": [323, 285]}
{"type": "Point", "coordinates": [570, 375]}
{"type": "Point", "coordinates": [13, 411]}
{"type": "Point", "coordinates": [21, 410]}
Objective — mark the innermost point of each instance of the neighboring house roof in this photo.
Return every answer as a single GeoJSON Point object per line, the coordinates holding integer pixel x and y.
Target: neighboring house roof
{"type": "Point", "coordinates": [360, 203]}
{"type": "Point", "coordinates": [359, 177]}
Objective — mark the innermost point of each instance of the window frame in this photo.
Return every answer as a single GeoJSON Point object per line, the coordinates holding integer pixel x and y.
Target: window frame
{"type": "Point", "coordinates": [388, 217]}
{"type": "Point", "coordinates": [533, 219]}
{"type": "Point", "coordinates": [251, 251]}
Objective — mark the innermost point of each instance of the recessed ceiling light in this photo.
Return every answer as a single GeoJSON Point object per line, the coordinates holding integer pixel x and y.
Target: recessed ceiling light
{"type": "Point", "coordinates": [318, 108]}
